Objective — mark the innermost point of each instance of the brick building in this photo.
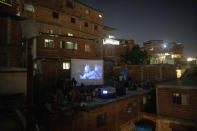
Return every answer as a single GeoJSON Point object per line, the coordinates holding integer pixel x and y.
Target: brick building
{"type": "Point", "coordinates": [60, 30]}
{"type": "Point", "coordinates": [113, 48]}
{"type": "Point", "coordinates": [10, 34]}
{"type": "Point", "coordinates": [176, 105]}
{"type": "Point", "coordinates": [160, 52]}
{"type": "Point", "coordinates": [116, 114]}
{"type": "Point", "coordinates": [153, 73]}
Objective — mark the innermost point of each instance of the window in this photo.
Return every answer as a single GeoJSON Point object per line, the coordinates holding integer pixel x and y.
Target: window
{"type": "Point", "coordinates": [87, 11]}
{"type": "Point", "coordinates": [70, 34]}
{"type": "Point", "coordinates": [55, 15]}
{"type": "Point", "coordinates": [50, 31]}
{"type": "Point", "coordinates": [28, 7]}
{"type": "Point", "coordinates": [66, 65]}
{"type": "Point", "coordinates": [68, 45]}
{"type": "Point", "coordinates": [48, 43]}
{"type": "Point", "coordinates": [72, 20]}
{"type": "Point", "coordinates": [87, 48]}
{"type": "Point", "coordinates": [144, 100]}
{"type": "Point", "coordinates": [69, 4]}
{"type": "Point", "coordinates": [86, 24]}
{"type": "Point", "coordinates": [101, 119]}
{"type": "Point", "coordinates": [180, 99]}
{"type": "Point", "coordinates": [95, 27]}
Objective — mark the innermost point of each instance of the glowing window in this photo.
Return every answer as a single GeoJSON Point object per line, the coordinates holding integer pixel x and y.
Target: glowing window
{"type": "Point", "coordinates": [28, 7]}
{"type": "Point", "coordinates": [48, 43]}
{"type": "Point", "coordinates": [151, 49]}
{"type": "Point", "coordinates": [87, 11]}
{"type": "Point", "coordinates": [35, 66]}
{"type": "Point", "coordinates": [66, 65]}
{"type": "Point", "coordinates": [50, 31]}
{"type": "Point", "coordinates": [87, 48]}
{"type": "Point", "coordinates": [178, 73]}
{"type": "Point", "coordinates": [180, 99]}
{"type": "Point", "coordinates": [70, 34]}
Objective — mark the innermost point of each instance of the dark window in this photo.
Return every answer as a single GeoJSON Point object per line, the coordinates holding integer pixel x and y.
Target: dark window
{"type": "Point", "coordinates": [55, 15]}
{"type": "Point", "coordinates": [101, 119]}
{"type": "Point", "coordinates": [95, 27]}
{"type": "Point", "coordinates": [86, 24]}
{"type": "Point", "coordinates": [177, 98]}
{"type": "Point", "coordinates": [72, 20]}
{"type": "Point", "coordinates": [69, 4]}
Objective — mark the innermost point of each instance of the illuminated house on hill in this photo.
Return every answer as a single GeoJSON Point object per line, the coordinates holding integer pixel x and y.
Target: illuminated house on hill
{"type": "Point", "coordinates": [163, 53]}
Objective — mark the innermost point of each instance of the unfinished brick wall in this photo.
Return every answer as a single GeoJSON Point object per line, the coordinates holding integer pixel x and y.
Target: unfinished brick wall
{"type": "Point", "coordinates": [153, 73]}
{"type": "Point", "coordinates": [166, 107]}
{"type": "Point", "coordinates": [117, 117]}
{"type": "Point", "coordinates": [11, 42]}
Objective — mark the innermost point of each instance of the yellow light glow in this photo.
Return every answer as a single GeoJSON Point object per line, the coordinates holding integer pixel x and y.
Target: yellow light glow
{"type": "Point", "coordinates": [70, 34]}
{"type": "Point", "coordinates": [152, 49]}
{"type": "Point", "coordinates": [178, 73]}
{"type": "Point", "coordinates": [191, 59]}
{"type": "Point", "coordinates": [100, 16]}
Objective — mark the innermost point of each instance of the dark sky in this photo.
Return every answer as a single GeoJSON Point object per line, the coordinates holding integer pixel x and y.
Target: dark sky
{"type": "Point", "coordinates": [142, 20]}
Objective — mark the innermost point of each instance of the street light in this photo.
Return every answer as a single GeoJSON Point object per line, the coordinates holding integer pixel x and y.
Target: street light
{"type": "Point", "coordinates": [164, 46]}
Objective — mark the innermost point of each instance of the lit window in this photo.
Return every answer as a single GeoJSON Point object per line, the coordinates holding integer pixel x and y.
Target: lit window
{"type": "Point", "coordinates": [100, 16]}
{"type": "Point", "coordinates": [87, 11]}
{"type": "Point", "coordinates": [144, 100]}
{"type": "Point", "coordinates": [66, 65]}
{"type": "Point", "coordinates": [50, 31]}
{"type": "Point", "coordinates": [48, 43]}
{"type": "Point", "coordinates": [70, 34]}
{"type": "Point", "coordinates": [35, 66]}
{"type": "Point", "coordinates": [68, 45]}
{"type": "Point", "coordinates": [87, 48]}
{"type": "Point", "coordinates": [28, 7]}
{"type": "Point", "coordinates": [180, 99]}
{"type": "Point", "coordinates": [178, 73]}
{"type": "Point", "coordinates": [151, 49]}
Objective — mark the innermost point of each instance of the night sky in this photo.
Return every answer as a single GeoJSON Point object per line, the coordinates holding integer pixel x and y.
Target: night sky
{"type": "Point", "coordinates": [142, 20]}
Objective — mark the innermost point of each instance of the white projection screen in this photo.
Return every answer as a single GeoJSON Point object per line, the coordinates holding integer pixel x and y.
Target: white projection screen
{"type": "Point", "coordinates": [88, 72]}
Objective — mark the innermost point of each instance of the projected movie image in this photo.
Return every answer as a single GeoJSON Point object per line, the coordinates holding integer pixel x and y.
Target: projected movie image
{"type": "Point", "coordinates": [88, 72]}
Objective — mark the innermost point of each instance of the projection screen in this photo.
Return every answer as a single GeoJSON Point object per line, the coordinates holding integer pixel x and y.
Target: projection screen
{"type": "Point", "coordinates": [88, 72]}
